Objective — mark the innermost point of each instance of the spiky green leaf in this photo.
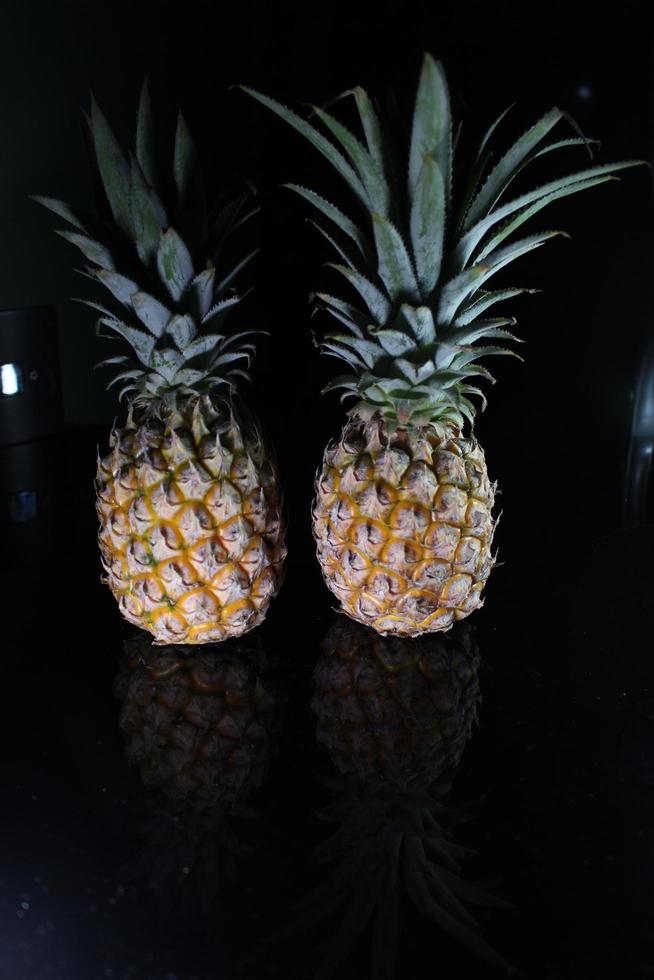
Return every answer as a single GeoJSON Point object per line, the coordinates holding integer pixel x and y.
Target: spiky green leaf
{"type": "Point", "coordinates": [322, 144]}
{"type": "Point", "coordinates": [149, 217]}
{"type": "Point", "coordinates": [428, 209]}
{"type": "Point", "coordinates": [394, 262]}
{"type": "Point", "coordinates": [174, 263]}
{"type": "Point", "coordinates": [372, 176]}
{"type": "Point", "coordinates": [377, 303]}
{"type": "Point", "coordinates": [191, 216]}
{"type": "Point", "coordinates": [119, 286]}
{"type": "Point", "coordinates": [421, 321]}
{"type": "Point", "coordinates": [146, 152]}
{"type": "Point", "coordinates": [92, 250]}
{"type": "Point", "coordinates": [113, 167]}
{"type": "Point", "coordinates": [341, 220]}
{"type": "Point", "coordinates": [508, 165]}
{"type": "Point", "coordinates": [182, 329]}
{"type": "Point", "coordinates": [151, 313]}
{"type": "Point", "coordinates": [432, 125]}
{"type": "Point", "coordinates": [141, 342]}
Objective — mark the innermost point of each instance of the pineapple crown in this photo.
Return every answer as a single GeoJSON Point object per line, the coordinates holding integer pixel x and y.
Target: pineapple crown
{"type": "Point", "coordinates": [160, 265]}
{"type": "Point", "coordinates": [428, 248]}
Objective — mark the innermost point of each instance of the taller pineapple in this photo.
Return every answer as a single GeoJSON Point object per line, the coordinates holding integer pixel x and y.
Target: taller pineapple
{"type": "Point", "coordinates": [403, 510]}
{"type": "Point", "coordinates": [191, 531]}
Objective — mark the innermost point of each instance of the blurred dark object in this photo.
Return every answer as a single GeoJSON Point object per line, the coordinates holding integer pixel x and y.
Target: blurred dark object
{"type": "Point", "coordinates": [32, 501]}
{"type": "Point", "coordinates": [637, 490]}
{"type": "Point", "coordinates": [31, 404]}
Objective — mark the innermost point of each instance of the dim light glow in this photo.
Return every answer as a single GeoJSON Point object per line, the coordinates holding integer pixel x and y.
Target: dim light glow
{"type": "Point", "coordinates": [10, 379]}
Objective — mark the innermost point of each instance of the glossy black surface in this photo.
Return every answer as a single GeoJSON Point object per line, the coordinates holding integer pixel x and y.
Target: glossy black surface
{"type": "Point", "coordinates": [103, 877]}
{"type": "Point", "coordinates": [556, 783]}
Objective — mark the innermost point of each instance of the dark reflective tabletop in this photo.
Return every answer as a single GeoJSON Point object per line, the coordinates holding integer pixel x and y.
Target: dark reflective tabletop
{"type": "Point", "coordinates": [313, 800]}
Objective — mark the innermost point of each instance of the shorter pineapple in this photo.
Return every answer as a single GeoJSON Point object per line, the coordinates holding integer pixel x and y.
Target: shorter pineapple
{"type": "Point", "coordinates": [191, 531]}
{"type": "Point", "coordinates": [197, 723]}
{"type": "Point", "coordinates": [201, 726]}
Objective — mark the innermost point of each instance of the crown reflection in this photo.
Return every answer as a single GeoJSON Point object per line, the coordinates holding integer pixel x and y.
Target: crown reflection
{"type": "Point", "coordinates": [200, 724]}
{"type": "Point", "coordinates": [395, 716]}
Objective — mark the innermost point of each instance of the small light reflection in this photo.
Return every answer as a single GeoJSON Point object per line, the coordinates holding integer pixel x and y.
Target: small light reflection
{"type": "Point", "coordinates": [584, 92]}
{"type": "Point", "coordinates": [10, 379]}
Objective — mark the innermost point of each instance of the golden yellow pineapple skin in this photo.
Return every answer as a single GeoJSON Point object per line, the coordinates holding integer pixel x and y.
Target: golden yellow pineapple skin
{"type": "Point", "coordinates": [191, 530]}
{"type": "Point", "coordinates": [402, 521]}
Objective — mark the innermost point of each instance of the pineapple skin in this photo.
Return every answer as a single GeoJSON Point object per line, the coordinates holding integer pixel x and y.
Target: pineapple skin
{"type": "Point", "coordinates": [197, 723]}
{"type": "Point", "coordinates": [191, 528]}
{"type": "Point", "coordinates": [392, 711]}
{"type": "Point", "coordinates": [403, 526]}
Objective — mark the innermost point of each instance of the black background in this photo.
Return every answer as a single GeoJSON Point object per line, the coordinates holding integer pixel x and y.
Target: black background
{"type": "Point", "coordinates": [559, 773]}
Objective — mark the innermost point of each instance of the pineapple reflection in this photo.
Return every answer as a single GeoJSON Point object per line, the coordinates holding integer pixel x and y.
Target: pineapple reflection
{"type": "Point", "coordinates": [395, 716]}
{"type": "Point", "coordinates": [199, 723]}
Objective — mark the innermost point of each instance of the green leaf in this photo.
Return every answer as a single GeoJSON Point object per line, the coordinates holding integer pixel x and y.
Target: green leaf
{"type": "Point", "coordinates": [505, 169]}
{"type": "Point", "coordinates": [339, 219]}
{"type": "Point", "coordinates": [394, 342]}
{"type": "Point", "coordinates": [480, 328]}
{"type": "Point", "coordinates": [141, 343]}
{"type": "Point", "coordinates": [491, 129]}
{"type": "Point", "coordinates": [394, 262]}
{"type": "Point", "coordinates": [92, 250]}
{"type": "Point", "coordinates": [372, 176]}
{"type": "Point", "coordinates": [371, 127]}
{"type": "Point", "coordinates": [421, 321]}
{"type": "Point", "coordinates": [229, 278]}
{"type": "Point", "coordinates": [182, 329]}
{"type": "Point", "coordinates": [62, 210]}
{"type": "Point", "coordinates": [192, 205]}
{"type": "Point", "coordinates": [374, 299]}
{"type": "Point", "coordinates": [123, 376]}
{"type": "Point", "coordinates": [506, 230]}
{"type": "Point", "coordinates": [485, 300]}
{"type": "Point", "coordinates": [114, 168]}
{"type": "Point", "coordinates": [356, 321]}
{"type": "Point", "coordinates": [166, 362]}
{"type": "Point", "coordinates": [546, 193]}
{"type": "Point", "coordinates": [188, 377]}
{"type": "Point", "coordinates": [428, 225]}
{"type": "Point", "coordinates": [322, 144]}
{"type": "Point", "coordinates": [119, 286]}
{"type": "Point", "coordinates": [174, 263]}
{"type": "Point", "coordinates": [146, 152]}
{"type": "Point", "coordinates": [202, 345]}
{"type": "Point", "coordinates": [368, 352]}
{"type": "Point", "coordinates": [432, 125]}
{"type": "Point", "coordinates": [220, 309]}
{"type": "Point", "coordinates": [202, 290]}
{"type": "Point", "coordinates": [457, 290]}
{"type": "Point", "coordinates": [148, 215]}
{"type": "Point", "coordinates": [333, 241]}
{"type": "Point", "coordinates": [151, 313]}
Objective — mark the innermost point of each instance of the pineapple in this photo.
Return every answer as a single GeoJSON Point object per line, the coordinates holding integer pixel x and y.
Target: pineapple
{"type": "Point", "coordinates": [402, 514]}
{"type": "Point", "coordinates": [392, 711]}
{"type": "Point", "coordinates": [395, 716]}
{"type": "Point", "coordinates": [189, 504]}
{"type": "Point", "coordinates": [197, 723]}
{"type": "Point", "coordinates": [200, 725]}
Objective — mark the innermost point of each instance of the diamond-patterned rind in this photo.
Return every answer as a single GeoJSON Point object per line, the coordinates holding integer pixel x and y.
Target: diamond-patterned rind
{"type": "Point", "coordinates": [403, 526]}
{"type": "Point", "coordinates": [197, 723]}
{"type": "Point", "coordinates": [392, 710]}
{"type": "Point", "coordinates": [191, 530]}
